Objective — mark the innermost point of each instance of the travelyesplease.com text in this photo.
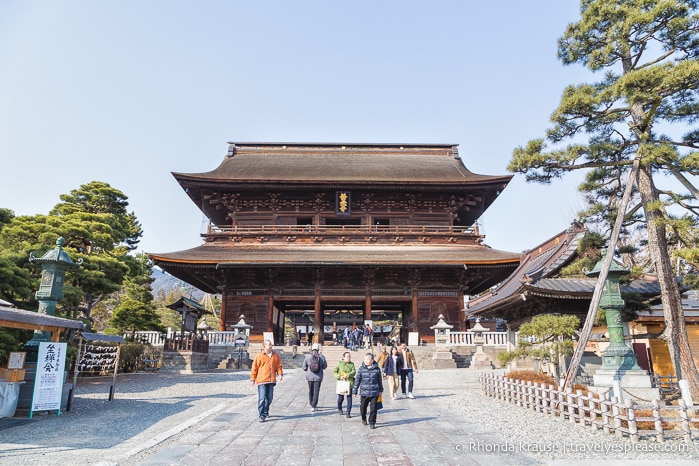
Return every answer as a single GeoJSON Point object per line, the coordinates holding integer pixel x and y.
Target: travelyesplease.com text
{"type": "Point", "coordinates": [548, 447]}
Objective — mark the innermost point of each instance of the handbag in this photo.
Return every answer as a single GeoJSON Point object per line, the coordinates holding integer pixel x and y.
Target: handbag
{"type": "Point", "coordinates": [343, 387]}
{"type": "Point", "coordinates": [379, 402]}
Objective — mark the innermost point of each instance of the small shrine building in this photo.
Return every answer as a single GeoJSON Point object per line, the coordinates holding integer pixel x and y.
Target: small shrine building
{"type": "Point", "coordinates": [342, 234]}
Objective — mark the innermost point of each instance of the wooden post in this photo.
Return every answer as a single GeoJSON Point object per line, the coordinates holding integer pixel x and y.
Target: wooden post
{"type": "Point", "coordinates": [270, 311]}
{"type": "Point", "coordinates": [462, 313]}
{"type": "Point", "coordinates": [604, 405]}
{"type": "Point", "coordinates": [415, 309]}
{"type": "Point", "coordinates": [561, 403]}
{"type": "Point", "coordinates": [616, 414]}
{"type": "Point", "coordinates": [318, 315]}
{"type": "Point", "coordinates": [684, 420]}
{"type": "Point", "coordinates": [581, 407]}
{"type": "Point", "coordinates": [367, 305]}
{"type": "Point", "coordinates": [660, 436]}
{"type": "Point", "coordinates": [631, 416]}
{"type": "Point", "coordinates": [224, 310]}
{"type": "Point", "coordinates": [571, 405]}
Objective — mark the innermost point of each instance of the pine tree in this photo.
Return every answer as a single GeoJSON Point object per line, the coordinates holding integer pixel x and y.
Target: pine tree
{"type": "Point", "coordinates": [649, 53]}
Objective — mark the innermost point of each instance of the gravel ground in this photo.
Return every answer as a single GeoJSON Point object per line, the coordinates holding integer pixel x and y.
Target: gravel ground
{"type": "Point", "coordinates": [546, 437]}
{"type": "Point", "coordinates": [150, 410]}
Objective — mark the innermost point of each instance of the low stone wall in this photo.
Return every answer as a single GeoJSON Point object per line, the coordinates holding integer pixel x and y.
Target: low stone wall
{"type": "Point", "coordinates": [184, 362]}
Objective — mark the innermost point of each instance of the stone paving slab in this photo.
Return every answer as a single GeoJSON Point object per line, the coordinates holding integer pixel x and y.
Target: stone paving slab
{"type": "Point", "coordinates": [409, 432]}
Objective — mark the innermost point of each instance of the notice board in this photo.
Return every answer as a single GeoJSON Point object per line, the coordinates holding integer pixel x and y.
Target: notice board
{"type": "Point", "coordinates": [48, 384]}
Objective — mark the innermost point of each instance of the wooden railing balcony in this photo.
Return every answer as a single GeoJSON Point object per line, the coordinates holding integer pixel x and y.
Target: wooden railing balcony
{"type": "Point", "coordinates": [339, 230]}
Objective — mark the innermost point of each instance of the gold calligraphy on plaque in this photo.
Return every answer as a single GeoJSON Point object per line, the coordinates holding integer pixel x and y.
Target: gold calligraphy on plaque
{"type": "Point", "coordinates": [343, 201]}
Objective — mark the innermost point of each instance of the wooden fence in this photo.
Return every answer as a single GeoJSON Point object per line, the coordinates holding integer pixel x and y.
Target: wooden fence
{"type": "Point", "coordinates": [653, 421]}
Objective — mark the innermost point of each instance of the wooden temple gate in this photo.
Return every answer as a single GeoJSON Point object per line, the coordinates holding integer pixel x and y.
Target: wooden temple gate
{"type": "Point", "coordinates": [328, 228]}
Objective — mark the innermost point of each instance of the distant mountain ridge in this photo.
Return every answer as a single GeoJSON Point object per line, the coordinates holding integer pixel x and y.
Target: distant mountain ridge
{"type": "Point", "coordinates": [163, 281]}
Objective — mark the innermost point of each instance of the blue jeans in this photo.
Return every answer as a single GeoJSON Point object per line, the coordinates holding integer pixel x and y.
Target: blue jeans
{"type": "Point", "coordinates": [265, 393]}
{"type": "Point", "coordinates": [409, 374]}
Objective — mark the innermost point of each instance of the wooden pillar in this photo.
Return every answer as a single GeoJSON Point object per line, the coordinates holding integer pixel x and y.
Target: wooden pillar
{"type": "Point", "coordinates": [367, 306]}
{"type": "Point", "coordinates": [270, 311]}
{"type": "Point", "coordinates": [318, 314]}
{"type": "Point", "coordinates": [462, 311]}
{"type": "Point", "coordinates": [224, 310]}
{"type": "Point", "coordinates": [415, 320]}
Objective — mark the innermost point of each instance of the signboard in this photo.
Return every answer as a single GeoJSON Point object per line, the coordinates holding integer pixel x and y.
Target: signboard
{"type": "Point", "coordinates": [190, 322]}
{"type": "Point", "coordinates": [268, 336]}
{"type": "Point", "coordinates": [16, 360]}
{"type": "Point", "coordinates": [413, 339]}
{"type": "Point", "coordinates": [48, 384]}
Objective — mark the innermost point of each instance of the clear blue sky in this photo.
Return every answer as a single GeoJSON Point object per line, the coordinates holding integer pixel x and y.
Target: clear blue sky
{"type": "Point", "coordinates": [127, 92]}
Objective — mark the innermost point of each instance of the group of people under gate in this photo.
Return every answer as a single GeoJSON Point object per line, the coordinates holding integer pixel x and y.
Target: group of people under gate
{"type": "Point", "coordinates": [395, 368]}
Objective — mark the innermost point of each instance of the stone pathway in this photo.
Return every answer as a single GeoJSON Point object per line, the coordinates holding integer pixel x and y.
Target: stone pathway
{"type": "Point", "coordinates": [409, 432]}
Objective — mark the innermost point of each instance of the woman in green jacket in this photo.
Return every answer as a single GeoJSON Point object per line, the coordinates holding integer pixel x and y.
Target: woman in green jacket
{"type": "Point", "coordinates": [345, 370]}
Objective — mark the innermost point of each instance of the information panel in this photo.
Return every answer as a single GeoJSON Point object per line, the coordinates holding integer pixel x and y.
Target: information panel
{"type": "Point", "coordinates": [48, 385]}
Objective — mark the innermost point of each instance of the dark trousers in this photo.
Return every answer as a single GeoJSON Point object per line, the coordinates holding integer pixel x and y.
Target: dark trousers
{"type": "Point", "coordinates": [370, 402]}
{"type": "Point", "coordinates": [406, 373]}
{"type": "Point", "coordinates": [313, 391]}
{"type": "Point", "coordinates": [340, 399]}
{"type": "Point", "coordinates": [265, 394]}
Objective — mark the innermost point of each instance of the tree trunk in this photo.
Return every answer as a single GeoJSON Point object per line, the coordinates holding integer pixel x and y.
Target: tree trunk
{"type": "Point", "coordinates": [678, 344]}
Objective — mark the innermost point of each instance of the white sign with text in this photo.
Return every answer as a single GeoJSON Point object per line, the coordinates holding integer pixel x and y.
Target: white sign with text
{"type": "Point", "coordinates": [48, 384]}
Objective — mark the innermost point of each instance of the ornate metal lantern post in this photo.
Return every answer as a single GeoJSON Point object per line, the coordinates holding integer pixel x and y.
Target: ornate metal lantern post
{"type": "Point", "coordinates": [618, 355]}
{"type": "Point", "coordinates": [54, 263]}
{"type": "Point", "coordinates": [620, 369]}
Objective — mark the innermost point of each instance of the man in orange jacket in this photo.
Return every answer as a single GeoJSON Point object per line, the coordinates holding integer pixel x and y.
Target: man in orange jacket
{"type": "Point", "coordinates": [266, 368]}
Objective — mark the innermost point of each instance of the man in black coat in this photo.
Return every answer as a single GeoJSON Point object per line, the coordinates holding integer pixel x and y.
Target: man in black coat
{"type": "Point", "coordinates": [368, 384]}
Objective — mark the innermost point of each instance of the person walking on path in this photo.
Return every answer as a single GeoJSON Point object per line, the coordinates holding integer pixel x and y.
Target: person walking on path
{"type": "Point", "coordinates": [345, 371]}
{"type": "Point", "coordinates": [381, 357]}
{"type": "Point", "coordinates": [368, 384]}
{"type": "Point", "coordinates": [266, 368]}
{"type": "Point", "coordinates": [406, 370]}
{"type": "Point", "coordinates": [314, 365]}
{"type": "Point", "coordinates": [390, 369]}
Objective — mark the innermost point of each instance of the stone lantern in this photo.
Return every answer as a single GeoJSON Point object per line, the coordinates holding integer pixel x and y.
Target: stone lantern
{"type": "Point", "coordinates": [54, 265]}
{"type": "Point", "coordinates": [203, 329]}
{"type": "Point", "coordinates": [619, 363]}
{"type": "Point", "coordinates": [441, 331]}
{"type": "Point", "coordinates": [241, 338]}
{"type": "Point", "coordinates": [480, 360]}
{"type": "Point", "coordinates": [442, 358]}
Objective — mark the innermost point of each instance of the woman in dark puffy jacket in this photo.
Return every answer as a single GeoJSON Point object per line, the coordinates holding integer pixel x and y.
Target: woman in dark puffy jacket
{"type": "Point", "coordinates": [368, 383]}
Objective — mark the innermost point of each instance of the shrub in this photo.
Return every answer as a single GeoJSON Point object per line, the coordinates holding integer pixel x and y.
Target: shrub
{"type": "Point", "coordinates": [130, 356]}
{"type": "Point", "coordinates": [533, 376]}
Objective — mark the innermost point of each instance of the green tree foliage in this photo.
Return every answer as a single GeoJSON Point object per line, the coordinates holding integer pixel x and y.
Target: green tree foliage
{"type": "Point", "coordinates": [135, 309]}
{"type": "Point", "coordinates": [14, 280]}
{"type": "Point", "coordinates": [546, 338]}
{"type": "Point", "coordinates": [97, 228]}
{"type": "Point", "coordinates": [639, 111]}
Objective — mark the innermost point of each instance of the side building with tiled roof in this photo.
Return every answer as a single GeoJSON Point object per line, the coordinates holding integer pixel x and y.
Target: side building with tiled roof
{"type": "Point", "coordinates": [341, 233]}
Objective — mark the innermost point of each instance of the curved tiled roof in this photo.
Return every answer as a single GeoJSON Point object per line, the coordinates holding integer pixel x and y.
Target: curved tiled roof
{"type": "Point", "coordinates": [538, 263]}
{"type": "Point", "coordinates": [254, 163]}
{"type": "Point", "coordinates": [534, 287]}
{"type": "Point", "coordinates": [188, 264]}
{"type": "Point", "coordinates": [222, 254]}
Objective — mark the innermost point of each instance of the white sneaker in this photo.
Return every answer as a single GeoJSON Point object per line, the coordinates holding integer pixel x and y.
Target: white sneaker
{"type": "Point", "coordinates": [410, 395]}
{"type": "Point", "coordinates": [403, 395]}
{"type": "Point", "coordinates": [313, 410]}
